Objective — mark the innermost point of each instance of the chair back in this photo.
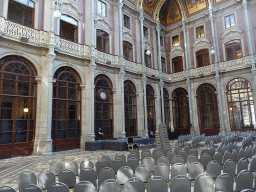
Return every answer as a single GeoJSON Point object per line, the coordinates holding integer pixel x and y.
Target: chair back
{"type": "Point", "coordinates": [72, 166]}
{"type": "Point", "coordinates": [213, 169]}
{"type": "Point", "coordinates": [108, 158]}
{"type": "Point", "coordinates": [178, 169]}
{"type": "Point", "coordinates": [244, 180]}
{"type": "Point", "coordinates": [117, 163]}
{"type": "Point", "coordinates": [124, 174]}
{"type": "Point", "coordinates": [212, 151]}
{"type": "Point", "coordinates": [241, 153]}
{"type": "Point", "coordinates": [227, 155]}
{"type": "Point", "coordinates": [110, 185]}
{"type": "Point", "coordinates": [133, 163]}
{"type": "Point", "coordinates": [177, 159]}
{"type": "Point", "coordinates": [154, 151]}
{"type": "Point", "coordinates": [166, 150]}
{"type": "Point", "coordinates": [157, 184]}
{"type": "Point", "coordinates": [163, 171]}
{"type": "Point", "coordinates": [204, 151]}
{"type": "Point", "coordinates": [157, 155]}
{"type": "Point", "coordinates": [25, 179]}
{"type": "Point", "coordinates": [187, 149]}
{"type": "Point", "coordinates": [58, 187]}
{"type": "Point", "coordinates": [86, 164]}
{"type": "Point", "coordinates": [235, 156]}
{"type": "Point", "coordinates": [224, 182]}
{"type": "Point", "coordinates": [45, 179]}
{"type": "Point", "coordinates": [105, 174]}
{"type": "Point", "coordinates": [191, 159]}
{"type": "Point", "coordinates": [143, 173]}
{"type": "Point", "coordinates": [32, 188]}
{"type": "Point", "coordinates": [88, 174]}
{"type": "Point", "coordinates": [133, 154]}
{"type": "Point", "coordinates": [229, 167]}
{"type": "Point", "coordinates": [180, 184]}
{"type": "Point", "coordinates": [121, 156]}
{"type": "Point", "coordinates": [242, 165]}
{"type": "Point", "coordinates": [246, 152]}
{"type": "Point", "coordinates": [205, 159]}
{"type": "Point", "coordinates": [177, 150]}
{"type": "Point", "coordinates": [101, 164]}
{"type": "Point", "coordinates": [170, 155]}
{"type": "Point", "coordinates": [194, 170]}
{"type": "Point", "coordinates": [253, 164]}
{"type": "Point", "coordinates": [194, 152]}
{"type": "Point", "coordinates": [7, 189]}
{"type": "Point", "coordinates": [145, 154]}
{"type": "Point", "coordinates": [150, 162]}
{"type": "Point", "coordinates": [68, 177]}
{"type": "Point", "coordinates": [56, 167]}
{"type": "Point", "coordinates": [134, 185]}
{"type": "Point", "coordinates": [184, 155]}
{"type": "Point", "coordinates": [203, 183]}
{"type": "Point", "coordinates": [164, 160]}
{"type": "Point", "coordinates": [84, 186]}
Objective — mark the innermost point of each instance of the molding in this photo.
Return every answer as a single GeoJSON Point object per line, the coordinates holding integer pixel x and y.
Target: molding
{"type": "Point", "coordinates": [127, 35]}
{"type": "Point", "coordinates": [201, 43]}
{"type": "Point", "coordinates": [103, 25]}
{"type": "Point", "coordinates": [176, 51]}
{"type": "Point", "coordinates": [70, 8]}
{"type": "Point", "coordinates": [231, 34]}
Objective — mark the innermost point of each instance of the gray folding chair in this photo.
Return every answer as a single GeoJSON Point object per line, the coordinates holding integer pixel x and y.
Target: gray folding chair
{"type": "Point", "coordinates": [101, 164]}
{"type": "Point", "coordinates": [105, 174]}
{"type": "Point", "coordinates": [58, 187]}
{"type": "Point", "coordinates": [177, 150]}
{"type": "Point", "coordinates": [253, 164]}
{"type": "Point", "coordinates": [150, 162]}
{"type": "Point", "coordinates": [224, 182]}
{"type": "Point", "coordinates": [134, 185]}
{"type": "Point", "coordinates": [154, 151]}
{"type": "Point", "coordinates": [229, 167]}
{"type": "Point", "coordinates": [218, 157]}
{"type": "Point", "coordinates": [84, 186]}
{"type": "Point", "coordinates": [157, 184]}
{"type": "Point", "coordinates": [184, 155]}
{"type": "Point", "coordinates": [227, 155]}
{"type": "Point", "coordinates": [191, 159]}
{"type": "Point", "coordinates": [7, 189]}
{"type": "Point", "coordinates": [56, 167]}
{"type": "Point", "coordinates": [204, 151]}
{"type": "Point", "coordinates": [108, 158]}
{"type": "Point", "coordinates": [32, 188]}
{"type": "Point", "coordinates": [133, 163]}
{"type": "Point", "coordinates": [194, 152]}
{"type": "Point", "coordinates": [248, 190]}
{"type": "Point", "coordinates": [170, 155]}
{"type": "Point", "coordinates": [146, 150]}
{"type": "Point", "coordinates": [86, 164]}
{"type": "Point", "coordinates": [143, 173]}
{"type": "Point", "coordinates": [187, 149]}
{"type": "Point", "coordinates": [235, 156]}
{"type": "Point", "coordinates": [121, 156]}
{"type": "Point", "coordinates": [163, 171]}
{"type": "Point", "coordinates": [124, 174]}
{"type": "Point", "coordinates": [203, 183]}
{"type": "Point", "coordinates": [212, 151]}
{"type": "Point", "coordinates": [246, 152]}
{"type": "Point", "coordinates": [194, 170]}
{"type": "Point", "coordinates": [68, 177]}
{"type": "Point", "coordinates": [178, 169]}
{"type": "Point", "coordinates": [25, 179]}
{"type": "Point", "coordinates": [244, 180]}
{"type": "Point", "coordinates": [45, 179]}
{"type": "Point", "coordinates": [134, 155]}
{"type": "Point", "coordinates": [164, 160]}
{"type": "Point", "coordinates": [177, 159]}
{"type": "Point", "coordinates": [166, 150]}
{"type": "Point", "coordinates": [224, 149]}
{"type": "Point", "coordinates": [242, 165]}
{"type": "Point", "coordinates": [88, 174]}
{"type": "Point", "coordinates": [205, 159]}
{"type": "Point", "coordinates": [145, 154]}
{"type": "Point", "coordinates": [157, 155]}
{"type": "Point", "coordinates": [71, 166]}
{"type": "Point", "coordinates": [117, 163]}
{"type": "Point", "coordinates": [180, 184]}
{"type": "Point", "coordinates": [110, 185]}
{"type": "Point", "coordinates": [241, 153]}
{"type": "Point", "coordinates": [213, 169]}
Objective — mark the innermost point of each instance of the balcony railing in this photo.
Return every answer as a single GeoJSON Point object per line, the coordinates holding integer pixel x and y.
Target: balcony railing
{"type": "Point", "coordinates": [106, 58]}
{"type": "Point", "coordinates": [133, 67]}
{"type": "Point", "coordinates": [235, 64]}
{"type": "Point", "coordinates": [178, 76]}
{"type": "Point", "coordinates": [202, 71]}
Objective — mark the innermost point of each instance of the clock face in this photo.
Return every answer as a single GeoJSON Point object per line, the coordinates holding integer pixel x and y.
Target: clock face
{"type": "Point", "coordinates": [103, 95]}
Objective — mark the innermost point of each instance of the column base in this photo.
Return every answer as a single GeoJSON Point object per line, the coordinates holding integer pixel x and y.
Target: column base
{"type": "Point", "coordinates": [43, 147]}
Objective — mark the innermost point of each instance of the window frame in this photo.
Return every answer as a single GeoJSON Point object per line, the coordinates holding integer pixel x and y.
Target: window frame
{"type": "Point", "coordinates": [126, 45]}
{"type": "Point", "coordinates": [127, 20]}
{"type": "Point", "coordinates": [228, 16]}
{"type": "Point", "coordinates": [161, 41]}
{"type": "Point", "coordinates": [76, 28]}
{"type": "Point", "coordinates": [173, 60]}
{"type": "Point", "coordinates": [235, 55]}
{"type": "Point", "coordinates": [173, 40]}
{"type": "Point", "coordinates": [147, 30]}
{"type": "Point", "coordinates": [102, 49]}
{"type": "Point", "coordinates": [202, 27]}
{"type": "Point", "coordinates": [206, 50]}
{"type": "Point", "coordinates": [106, 8]}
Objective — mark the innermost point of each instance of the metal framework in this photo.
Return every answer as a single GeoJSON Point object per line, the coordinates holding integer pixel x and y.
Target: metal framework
{"type": "Point", "coordinates": [208, 114]}
{"type": "Point", "coordinates": [103, 105]}
{"type": "Point", "coordinates": [130, 109]}
{"type": "Point", "coordinates": [18, 107]}
{"type": "Point", "coordinates": [180, 106]}
{"type": "Point", "coordinates": [151, 116]}
{"type": "Point", "coordinates": [240, 105]}
{"type": "Point", "coordinates": [66, 118]}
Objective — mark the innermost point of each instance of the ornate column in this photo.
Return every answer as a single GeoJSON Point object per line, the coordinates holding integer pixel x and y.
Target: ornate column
{"type": "Point", "coordinates": [120, 6]}
{"type": "Point", "coordinates": [144, 79]}
{"type": "Point", "coordinates": [142, 36]}
{"type": "Point", "coordinates": [121, 76]}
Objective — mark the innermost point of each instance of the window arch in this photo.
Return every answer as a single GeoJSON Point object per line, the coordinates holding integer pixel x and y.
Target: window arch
{"type": "Point", "coordinates": [127, 51]}
{"type": "Point", "coordinates": [103, 103]}
{"type": "Point", "coordinates": [181, 117]}
{"type": "Point", "coordinates": [151, 117]}
{"type": "Point", "coordinates": [208, 114]}
{"type": "Point", "coordinates": [18, 107]}
{"type": "Point", "coordinates": [102, 41]}
{"type": "Point", "coordinates": [166, 108]}
{"type": "Point", "coordinates": [240, 105]}
{"type": "Point", "coordinates": [66, 110]}
{"type": "Point", "coordinates": [130, 103]}
{"type": "Point", "coordinates": [202, 58]}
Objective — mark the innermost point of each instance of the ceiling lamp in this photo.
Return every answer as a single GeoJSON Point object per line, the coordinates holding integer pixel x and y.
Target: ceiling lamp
{"type": "Point", "coordinates": [148, 52]}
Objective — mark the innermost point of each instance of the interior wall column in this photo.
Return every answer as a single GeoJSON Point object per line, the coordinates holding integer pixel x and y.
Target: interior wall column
{"type": "Point", "coordinates": [144, 79]}
{"type": "Point", "coordinates": [90, 37]}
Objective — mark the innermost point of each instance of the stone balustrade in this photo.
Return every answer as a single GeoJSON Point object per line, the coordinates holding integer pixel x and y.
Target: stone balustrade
{"type": "Point", "coordinates": [236, 64]}
{"type": "Point", "coordinates": [133, 67]}
{"type": "Point", "coordinates": [178, 76]}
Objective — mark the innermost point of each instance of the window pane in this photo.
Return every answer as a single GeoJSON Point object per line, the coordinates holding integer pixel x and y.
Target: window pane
{"type": "Point", "coordinates": [202, 31]}
{"type": "Point", "coordinates": [99, 7]}
{"type": "Point", "coordinates": [232, 20]}
{"type": "Point", "coordinates": [227, 22]}
{"type": "Point", "coordinates": [103, 12]}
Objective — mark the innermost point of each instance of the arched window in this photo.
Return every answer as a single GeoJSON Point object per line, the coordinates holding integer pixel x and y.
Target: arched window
{"type": "Point", "coordinates": [66, 110]}
{"type": "Point", "coordinates": [180, 106]}
{"type": "Point", "coordinates": [130, 105]}
{"type": "Point", "coordinates": [103, 97]}
{"type": "Point", "coordinates": [18, 107]}
{"type": "Point", "coordinates": [240, 105]}
{"type": "Point", "coordinates": [207, 109]}
{"type": "Point", "coordinates": [68, 28]}
{"type": "Point", "coordinates": [127, 50]}
{"type": "Point", "coordinates": [233, 50]}
{"type": "Point", "coordinates": [177, 64]}
{"type": "Point", "coordinates": [166, 108]}
{"type": "Point", "coordinates": [102, 41]}
{"type": "Point", "coordinates": [21, 12]}
{"type": "Point", "coordinates": [151, 117]}
{"type": "Point", "coordinates": [202, 58]}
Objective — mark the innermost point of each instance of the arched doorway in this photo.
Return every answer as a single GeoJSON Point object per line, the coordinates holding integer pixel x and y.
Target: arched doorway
{"type": "Point", "coordinates": [151, 117]}
{"type": "Point", "coordinates": [180, 105]}
{"type": "Point", "coordinates": [166, 108]}
{"type": "Point", "coordinates": [240, 105]}
{"type": "Point", "coordinates": [103, 97]}
{"type": "Point", "coordinates": [18, 107]}
{"type": "Point", "coordinates": [66, 110]}
{"type": "Point", "coordinates": [130, 105]}
{"type": "Point", "coordinates": [207, 109]}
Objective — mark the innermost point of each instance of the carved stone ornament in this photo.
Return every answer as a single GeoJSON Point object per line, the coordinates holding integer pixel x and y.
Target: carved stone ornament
{"type": "Point", "coordinates": [70, 8]}
{"type": "Point", "coordinates": [201, 43]}
{"type": "Point", "coordinates": [127, 36]}
{"type": "Point", "coordinates": [231, 34]}
{"type": "Point", "coordinates": [103, 25]}
{"type": "Point", "coordinates": [176, 51]}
